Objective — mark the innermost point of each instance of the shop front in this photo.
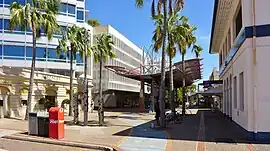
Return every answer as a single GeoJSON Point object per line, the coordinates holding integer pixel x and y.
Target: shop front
{"type": "Point", "coordinates": [14, 84]}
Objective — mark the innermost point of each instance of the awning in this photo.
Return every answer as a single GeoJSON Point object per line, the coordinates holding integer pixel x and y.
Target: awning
{"type": "Point", "coordinates": [213, 91]}
{"type": "Point", "coordinates": [193, 72]}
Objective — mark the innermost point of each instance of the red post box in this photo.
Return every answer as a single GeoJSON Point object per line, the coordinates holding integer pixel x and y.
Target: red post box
{"type": "Point", "coordinates": [56, 126]}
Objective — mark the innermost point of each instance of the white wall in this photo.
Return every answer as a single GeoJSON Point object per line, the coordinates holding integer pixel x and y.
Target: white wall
{"type": "Point", "coordinates": [240, 63]}
{"type": "Point", "coordinates": [263, 84]}
{"type": "Point", "coordinates": [262, 8]}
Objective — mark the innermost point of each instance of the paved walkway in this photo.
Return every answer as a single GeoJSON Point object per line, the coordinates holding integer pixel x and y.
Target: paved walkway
{"type": "Point", "coordinates": [142, 137]}
{"type": "Point", "coordinates": [4, 132]}
{"type": "Point", "coordinates": [201, 130]}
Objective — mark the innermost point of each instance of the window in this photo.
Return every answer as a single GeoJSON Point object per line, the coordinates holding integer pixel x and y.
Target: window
{"type": "Point", "coordinates": [241, 91]}
{"type": "Point", "coordinates": [8, 2]}
{"type": "Point", "coordinates": [41, 53]}
{"type": "Point", "coordinates": [1, 24]}
{"type": "Point", "coordinates": [14, 52]}
{"type": "Point", "coordinates": [224, 94]}
{"type": "Point", "coordinates": [80, 15]}
{"type": "Point", "coordinates": [227, 96]}
{"type": "Point", "coordinates": [238, 22]}
{"type": "Point", "coordinates": [81, 0]}
{"type": "Point", "coordinates": [225, 49]}
{"type": "Point", "coordinates": [235, 92]}
{"type": "Point", "coordinates": [67, 9]}
{"type": "Point", "coordinates": [63, 28]}
{"type": "Point", "coordinates": [63, 8]}
{"type": "Point", "coordinates": [229, 40]}
{"type": "Point", "coordinates": [6, 24]}
{"type": "Point", "coordinates": [231, 95]}
{"type": "Point", "coordinates": [79, 58]}
{"type": "Point", "coordinates": [220, 59]}
{"type": "Point", "coordinates": [1, 51]}
{"type": "Point", "coordinates": [22, 2]}
{"type": "Point", "coordinates": [52, 55]}
{"type": "Point", "coordinates": [71, 9]}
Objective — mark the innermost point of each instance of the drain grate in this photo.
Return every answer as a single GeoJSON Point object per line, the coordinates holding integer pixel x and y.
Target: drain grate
{"type": "Point", "coordinates": [225, 140]}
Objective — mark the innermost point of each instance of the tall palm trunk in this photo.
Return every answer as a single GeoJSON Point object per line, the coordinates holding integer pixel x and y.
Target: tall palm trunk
{"type": "Point", "coordinates": [33, 65]}
{"type": "Point", "coordinates": [100, 101]}
{"type": "Point", "coordinates": [162, 79]}
{"type": "Point", "coordinates": [184, 85]}
{"type": "Point", "coordinates": [73, 101]}
{"type": "Point", "coordinates": [71, 113]}
{"type": "Point", "coordinates": [171, 87]}
{"type": "Point", "coordinates": [85, 108]}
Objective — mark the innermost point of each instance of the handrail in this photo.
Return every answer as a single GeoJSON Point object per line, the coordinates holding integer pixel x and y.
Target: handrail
{"type": "Point", "coordinates": [236, 46]}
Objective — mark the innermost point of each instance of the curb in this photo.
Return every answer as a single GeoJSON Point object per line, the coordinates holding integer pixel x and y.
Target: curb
{"type": "Point", "coordinates": [61, 142]}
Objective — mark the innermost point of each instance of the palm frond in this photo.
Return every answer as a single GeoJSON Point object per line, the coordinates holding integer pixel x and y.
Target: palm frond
{"type": "Point", "coordinates": [93, 22]}
{"type": "Point", "coordinates": [153, 8]}
{"type": "Point", "coordinates": [139, 3]}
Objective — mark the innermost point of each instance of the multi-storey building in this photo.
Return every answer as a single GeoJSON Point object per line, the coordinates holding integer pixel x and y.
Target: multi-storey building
{"type": "Point", "coordinates": [241, 34]}
{"type": "Point", "coordinates": [52, 71]}
{"type": "Point", "coordinates": [118, 90]}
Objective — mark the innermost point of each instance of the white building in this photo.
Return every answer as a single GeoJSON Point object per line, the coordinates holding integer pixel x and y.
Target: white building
{"type": "Point", "coordinates": [241, 35]}
{"type": "Point", "coordinates": [16, 53]}
{"type": "Point", "coordinates": [118, 90]}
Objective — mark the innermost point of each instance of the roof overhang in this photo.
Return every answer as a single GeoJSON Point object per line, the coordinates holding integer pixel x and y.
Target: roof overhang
{"type": "Point", "coordinates": [215, 91]}
{"type": "Point", "coordinates": [222, 15]}
{"type": "Point", "coordinates": [193, 72]}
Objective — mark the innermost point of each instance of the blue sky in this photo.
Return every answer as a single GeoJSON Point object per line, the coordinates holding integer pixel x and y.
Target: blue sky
{"type": "Point", "coordinates": [137, 26]}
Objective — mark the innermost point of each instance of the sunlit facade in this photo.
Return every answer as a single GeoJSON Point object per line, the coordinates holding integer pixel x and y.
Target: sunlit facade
{"type": "Point", "coordinates": [16, 53]}
{"type": "Point", "coordinates": [241, 35]}
{"type": "Point", "coordinates": [119, 91]}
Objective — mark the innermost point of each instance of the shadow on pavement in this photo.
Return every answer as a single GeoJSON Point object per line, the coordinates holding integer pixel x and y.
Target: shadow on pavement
{"type": "Point", "coordinates": [217, 128]}
{"type": "Point", "coordinates": [127, 110]}
{"type": "Point", "coordinates": [94, 123]}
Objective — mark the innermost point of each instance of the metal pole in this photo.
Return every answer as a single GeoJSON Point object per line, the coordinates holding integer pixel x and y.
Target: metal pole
{"type": "Point", "coordinates": [152, 84]}
{"type": "Point", "coordinates": [141, 85]}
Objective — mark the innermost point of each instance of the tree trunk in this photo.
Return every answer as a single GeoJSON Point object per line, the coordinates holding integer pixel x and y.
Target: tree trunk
{"type": "Point", "coordinates": [73, 101]}
{"type": "Point", "coordinates": [71, 113]}
{"type": "Point", "coordinates": [33, 66]}
{"type": "Point", "coordinates": [184, 86]}
{"type": "Point", "coordinates": [163, 61]}
{"type": "Point", "coordinates": [100, 101]}
{"type": "Point", "coordinates": [85, 93]}
{"type": "Point", "coordinates": [171, 87]}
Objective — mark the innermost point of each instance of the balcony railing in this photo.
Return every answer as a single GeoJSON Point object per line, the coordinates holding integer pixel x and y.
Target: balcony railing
{"type": "Point", "coordinates": [236, 46]}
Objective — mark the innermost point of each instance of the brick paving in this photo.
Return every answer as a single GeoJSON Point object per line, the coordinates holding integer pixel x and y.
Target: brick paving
{"type": "Point", "coordinates": [201, 130]}
{"type": "Point", "coordinates": [14, 145]}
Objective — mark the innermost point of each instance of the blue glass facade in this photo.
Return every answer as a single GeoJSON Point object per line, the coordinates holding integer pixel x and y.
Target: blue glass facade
{"type": "Point", "coordinates": [14, 50]}
{"type": "Point", "coordinates": [64, 8]}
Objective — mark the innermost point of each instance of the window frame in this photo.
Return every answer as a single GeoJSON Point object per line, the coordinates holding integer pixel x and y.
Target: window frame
{"type": "Point", "coordinates": [235, 91]}
{"type": "Point", "coordinates": [241, 92]}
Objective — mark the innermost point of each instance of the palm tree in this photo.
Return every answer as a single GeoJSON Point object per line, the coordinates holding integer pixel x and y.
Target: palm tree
{"type": "Point", "coordinates": [74, 36]}
{"type": "Point", "coordinates": [39, 14]}
{"type": "Point", "coordinates": [162, 5]}
{"type": "Point", "coordinates": [86, 41]}
{"type": "Point", "coordinates": [186, 40]}
{"type": "Point", "coordinates": [93, 22]}
{"type": "Point", "coordinates": [101, 52]}
{"type": "Point", "coordinates": [87, 47]}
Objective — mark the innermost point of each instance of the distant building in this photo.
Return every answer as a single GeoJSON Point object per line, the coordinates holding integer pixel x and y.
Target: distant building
{"type": "Point", "coordinates": [118, 91]}
{"type": "Point", "coordinates": [214, 75]}
{"type": "Point", "coordinates": [241, 35]}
